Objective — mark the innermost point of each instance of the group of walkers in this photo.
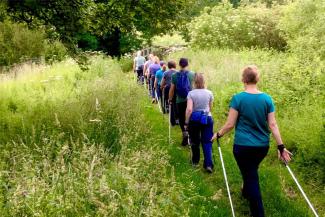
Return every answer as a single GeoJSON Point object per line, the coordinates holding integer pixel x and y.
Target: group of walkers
{"type": "Point", "coordinates": [183, 93]}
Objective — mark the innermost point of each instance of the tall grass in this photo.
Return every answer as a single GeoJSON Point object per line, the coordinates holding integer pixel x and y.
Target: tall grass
{"type": "Point", "coordinates": [88, 143]}
{"type": "Point", "coordinates": [76, 143]}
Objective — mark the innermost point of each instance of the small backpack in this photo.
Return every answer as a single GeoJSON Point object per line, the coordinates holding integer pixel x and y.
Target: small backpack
{"type": "Point", "coordinates": [183, 85]}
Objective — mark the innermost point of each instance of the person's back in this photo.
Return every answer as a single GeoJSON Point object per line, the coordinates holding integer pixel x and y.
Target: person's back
{"type": "Point", "coordinates": [159, 76]}
{"type": "Point", "coordinates": [168, 76]}
{"type": "Point", "coordinates": [175, 80]}
{"type": "Point", "coordinates": [201, 99]}
{"type": "Point", "coordinates": [139, 62]}
{"type": "Point", "coordinates": [154, 68]}
{"type": "Point", "coordinates": [252, 126]}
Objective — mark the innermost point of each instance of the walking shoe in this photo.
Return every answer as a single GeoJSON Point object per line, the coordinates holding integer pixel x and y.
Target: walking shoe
{"type": "Point", "coordinates": [195, 165]}
{"type": "Point", "coordinates": [209, 169]}
{"type": "Point", "coordinates": [185, 139]}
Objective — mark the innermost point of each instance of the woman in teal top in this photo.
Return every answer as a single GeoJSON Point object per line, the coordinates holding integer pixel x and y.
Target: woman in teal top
{"type": "Point", "coordinates": [253, 114]}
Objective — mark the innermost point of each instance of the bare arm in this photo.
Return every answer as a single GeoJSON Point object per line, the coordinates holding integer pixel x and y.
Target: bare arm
{"type": "Point", "coordinates": [145, 70]}
{"type": "Point", "coordinates": [274, 128]}
{"type": "Point", "coordinates": [156, 83]}
{"type": "Point", "coordinates": [134, 65]}
{"type": "Point", "coordinates": [162, 84]}
{"type": "Point", "coordinates": [171, 92]}
{"type": "Point", "coordinates": [189, 110]}
{"type": "Point", "coordinates": [285, 155]}
{"type": "Point", "coordinates": [210, 105]}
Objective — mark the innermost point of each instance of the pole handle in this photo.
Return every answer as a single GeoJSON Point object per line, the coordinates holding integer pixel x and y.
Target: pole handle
{"type": "Point", "coordinates": [218, 142]}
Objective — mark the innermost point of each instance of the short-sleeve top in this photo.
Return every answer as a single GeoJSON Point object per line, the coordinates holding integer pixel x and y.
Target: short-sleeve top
{"type": "Point", "coordinates": [174, 81]}
{"type": "Point", "coordinates": [159, 75]}
{"type": "Point", "coordinates": [153, 69]}
{"type": "Point", "coordinates": [201, 99]}
{"type": "Point", "coordinates": [252, 126]}
{"type": "Point", "coordinates": [139, 61]}
{"type": "Point", "coordinates": [168, 76]}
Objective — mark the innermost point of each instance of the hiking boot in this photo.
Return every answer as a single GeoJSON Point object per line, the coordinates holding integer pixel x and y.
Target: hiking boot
{"type": "Point", "coordinates": [209, 169]}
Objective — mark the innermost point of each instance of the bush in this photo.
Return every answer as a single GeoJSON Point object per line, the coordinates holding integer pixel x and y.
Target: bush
{"type": "Point", "coordinates": [18, 43]}
{"type": "Point", "coordinates": [303, 25]}
{"type": "Point", "coordinates": [245, 26]}
{"type": "Point", "coordinates": [126, 63]}
{"type": "Point", "coordinates": [55, 52]}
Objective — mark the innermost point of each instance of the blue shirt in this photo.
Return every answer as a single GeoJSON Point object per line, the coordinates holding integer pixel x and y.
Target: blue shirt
{"type": "Point", "coordinates": [159, 75]}
{"type": "Point", "coordinates": [252, 127]}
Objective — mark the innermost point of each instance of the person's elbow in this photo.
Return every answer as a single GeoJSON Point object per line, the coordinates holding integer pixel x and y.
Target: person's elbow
{"type": "Point", "coordinates": [189, 110]}
{"type": "Point", "coordinates": [273, 125]}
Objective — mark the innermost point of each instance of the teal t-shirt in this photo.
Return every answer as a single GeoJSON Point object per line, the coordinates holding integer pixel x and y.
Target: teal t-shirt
{"type": "Point", "coordinates": [159, 75]}
{"type": "Point", "coordinates": [252, 127]}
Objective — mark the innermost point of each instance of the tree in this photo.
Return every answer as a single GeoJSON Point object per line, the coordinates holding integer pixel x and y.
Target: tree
{"type": "Point", "coordinates": [118, 19]}
{"type": "Point", "coordinates": [67, 18]}
{"type": "Point", "coordinates": [108, 20]}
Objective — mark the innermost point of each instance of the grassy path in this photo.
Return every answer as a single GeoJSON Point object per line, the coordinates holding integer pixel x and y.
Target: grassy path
{"type": "Point", "coordinates": [210, 195]}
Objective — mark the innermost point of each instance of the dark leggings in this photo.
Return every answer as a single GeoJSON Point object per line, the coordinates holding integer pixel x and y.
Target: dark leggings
{"type": "Point", "coordinates": [248, 159]}
{"type": "Point", "coordinates": [201, 134]}
{"type": "Point", "coordinates": [140, 75]}
{"type": "Point", "coordinates": [152, 85]}
{"type": "Point", "coordinates": [181, 109]}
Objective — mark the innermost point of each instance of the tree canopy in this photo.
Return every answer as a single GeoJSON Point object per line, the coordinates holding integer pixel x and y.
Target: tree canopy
{"type": "Point", "coordinates": [110, 22]}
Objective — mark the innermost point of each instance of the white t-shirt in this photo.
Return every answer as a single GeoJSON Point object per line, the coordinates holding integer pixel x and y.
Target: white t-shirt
{"type": "Point", "coordinates": [139, 61]}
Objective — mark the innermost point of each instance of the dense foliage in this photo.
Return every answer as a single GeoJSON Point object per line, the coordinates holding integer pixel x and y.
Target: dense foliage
{"type": "Point", "coordinates": [19, 44]}
{"type": "Point", "coordinates": [69, 148]}
{"type": "Point", "coordinates": [100, 24]}
{"type": "Point", "coordinates": [245, 26]}
{"type": "Point", "coordinates": [303, 25]}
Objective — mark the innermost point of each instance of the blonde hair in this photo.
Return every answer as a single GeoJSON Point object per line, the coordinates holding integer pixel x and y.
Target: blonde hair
{"type": "Point", "coordinates": [156, 60]}
{"type": "Point", "coordinates": [199, 82]}
{"type": "Point", "coordinates": [250, 74]}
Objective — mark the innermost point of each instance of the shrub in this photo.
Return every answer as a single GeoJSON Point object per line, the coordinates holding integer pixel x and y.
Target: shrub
{"type": "Point", "coordinates": [18, 43]}
{"type": "Point", "coordinates": [303, 25]}
{"type": "Point", "coordinates": [245, 26]}
{"type": "Point", "coordinates": [55, 52]}
{"type": "Point", "coordinates": [126, 63]}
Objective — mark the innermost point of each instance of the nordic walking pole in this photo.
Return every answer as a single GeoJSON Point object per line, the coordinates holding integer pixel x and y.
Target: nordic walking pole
{"type": "Point", "coordinates": [226, 180]}
{"type": "Point", "coordinates": [170, 118]}
{"type": "Point", "coordinates": [158, 101]}
{"type": "Point", "coordinates": [301, 190]}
